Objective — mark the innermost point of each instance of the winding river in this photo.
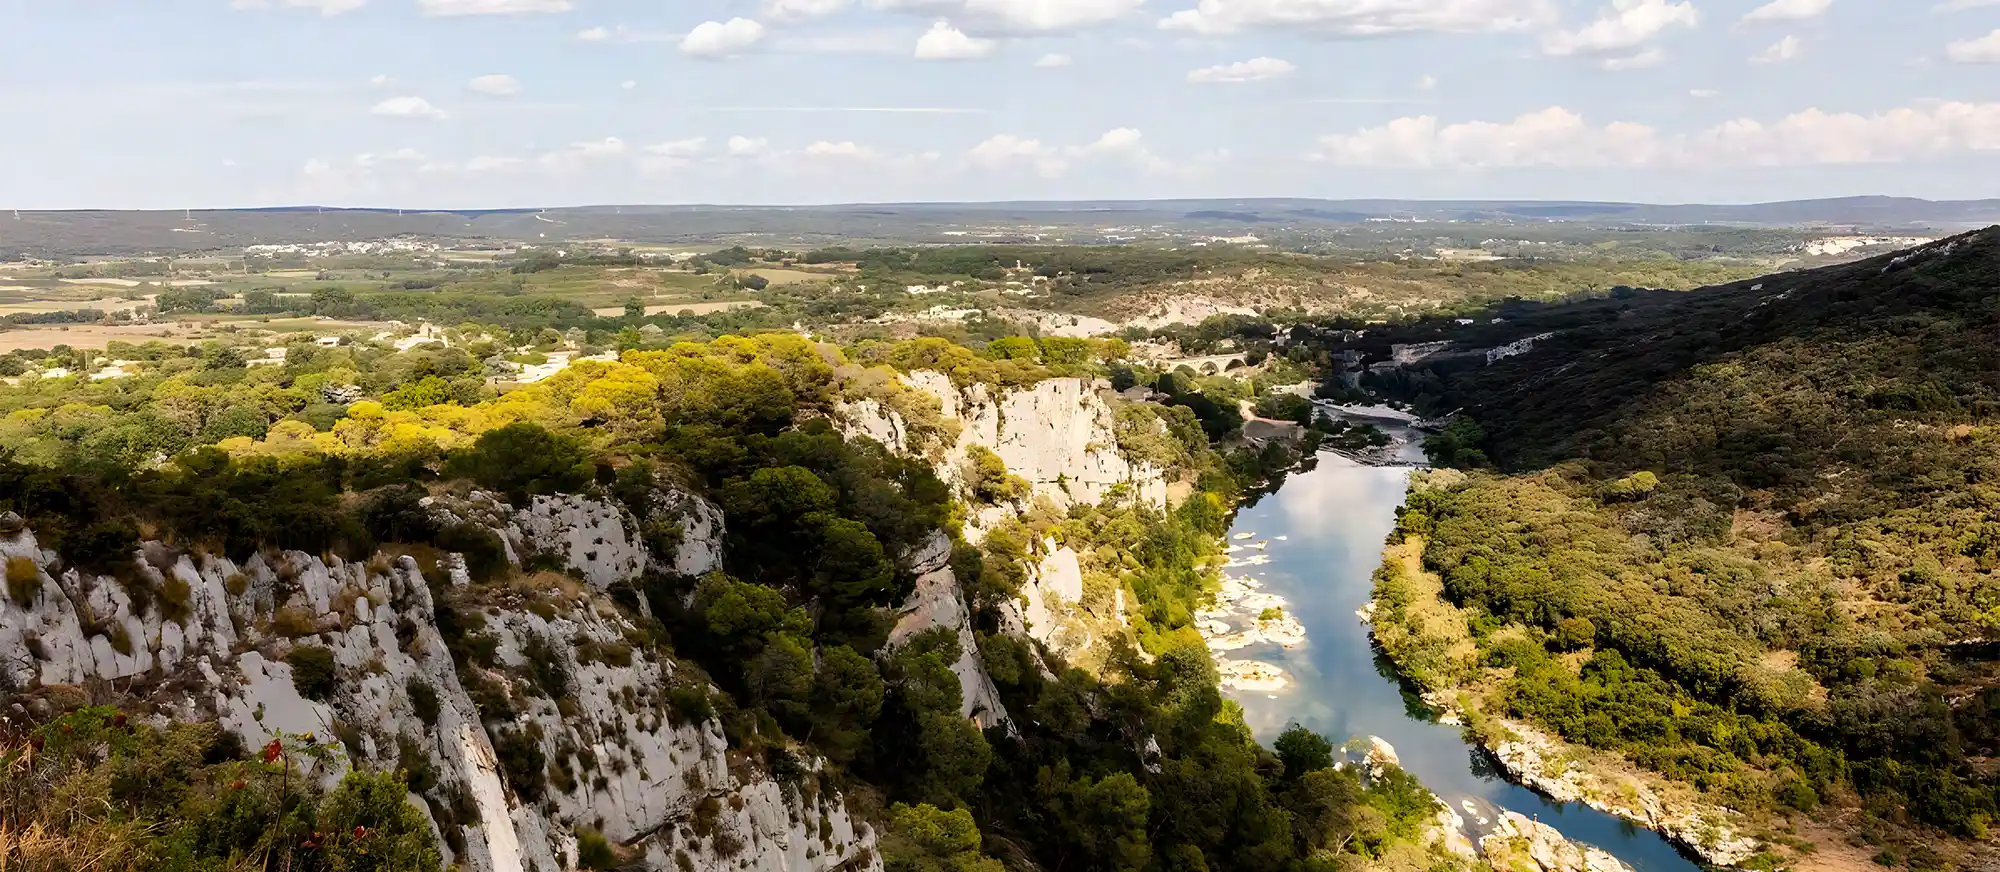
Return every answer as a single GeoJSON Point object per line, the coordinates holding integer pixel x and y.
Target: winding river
{"type": "Point", "coordinates": [1334, 520]}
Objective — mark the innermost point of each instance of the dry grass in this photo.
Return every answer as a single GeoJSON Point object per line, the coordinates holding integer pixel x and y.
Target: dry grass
{"type": "Point", "coordinates": [789, 276]}
{"type": "Point", "coordinates": [40, 835]}
{"type": "Point", "coordinates": [92, 336]}
{"type": "Point", "coordinates": [678, 308]}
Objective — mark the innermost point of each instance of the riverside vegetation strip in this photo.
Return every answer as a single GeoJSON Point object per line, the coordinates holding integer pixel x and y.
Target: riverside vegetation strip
{"type": "Point", "coordinates": [1740, 540]}
{"type": "Point", "coordinates": [402, 565]}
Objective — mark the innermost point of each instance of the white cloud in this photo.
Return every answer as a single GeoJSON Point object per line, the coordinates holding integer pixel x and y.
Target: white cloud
{"type": "Point", "coordinates": [325, 7]}
{"type": "Point", "coordinates": [1984, 50]}
{"type": "Point", "coordinates": [794, 11]}
{"type": "Point", "coordinates": [380, 80]}
{"type": "Point", "coordinates": [1253, 70]}
{"type": "Point", "coordinates": [882, 40]}
{"type": "Point", "coordinates": [847, 149]}
{"type": "Point", "coordinates": [715, 39]}
{"type": "Point", "coordinates": [628, 84]}
{"type": "Point", "coordinates": [1006, 150]}
{"type": "Point", "coordinates": [577, 154]}
{"type": "Point", "coordinates": [408, 107]}
{"type": "Point", "coordinates": [679, 147]}
{"type": "Point", "coordinates": [1622, 28]}
{"type": "Point", "coordinates": [1126, 144]}
{"type": "Point", "coordinates": [610, 146]}
{"type": "Point", "coordinates": [316, 167]}
{"type": "Point", "coordinates": [944, 42]}
{"type": "Point", "coordinates": [1703, 93]}
{"type": "Point", "coordinates": [1427, 82]}
{"type": "Point", "coordinates": [1648, 57]}
{"type": "Point", "coordinates": [1558, 137]}
{"type": "Point", "coordinates": [621, 33]}
{"type": "Point", "coordinates": [369, 160]}
{"type": "Point", "coordinates": [495, 85]}
{"type": "Point", "coordinates": [1121, 145]}
{"type": "Point", "coordinates": [1014, 17]}
{"type": "Point", "coordinates": [489, 163]}
{"type": "Point", "coordinates": [673, 155]}
{"type": "Point", "coordinates": [1783, 50]}
{"type": "Point", "coordinates": [1053, 61]}
{"type": "Point", "coordinates": [1962, 5]}
{"type": "Point", "coordinates": [1787, 10]}
{"type": "Point", "coordinates": [1358, 18]}
{"type": "Point", "coordinates": [1551, 137]}
{"type": "Point", "coordinates": [493, 7]}
{"type": "Point", "coordinates": [744, 146]}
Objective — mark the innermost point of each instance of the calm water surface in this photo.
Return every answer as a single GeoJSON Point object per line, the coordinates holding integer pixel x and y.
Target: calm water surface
{"type": "Point", "coordinates": [1335, 519]}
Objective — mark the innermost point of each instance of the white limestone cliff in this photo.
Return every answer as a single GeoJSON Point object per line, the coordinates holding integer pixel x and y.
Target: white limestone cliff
{"type": "Point", "coordinates": [938, 603]}
{"type": "Point", "coordinates": [596, 536]}
{"type": "Point", "coordinates": [1058, 435]}
{"type": "Point", "coordinates": [206, 640]}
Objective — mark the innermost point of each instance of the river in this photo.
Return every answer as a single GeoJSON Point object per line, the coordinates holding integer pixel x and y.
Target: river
{"type": "Point", "coordinates": [1334, 520]}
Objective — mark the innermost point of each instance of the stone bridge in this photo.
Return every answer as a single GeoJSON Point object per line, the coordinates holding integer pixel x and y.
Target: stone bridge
{"type": "Point", "coordinates": [1209, 365]}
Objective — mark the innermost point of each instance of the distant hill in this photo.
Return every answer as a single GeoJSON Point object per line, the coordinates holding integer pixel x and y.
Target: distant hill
{"type": "Point", "coordinates": [134, 232]}
{"type": "Point", "coordinates": [1927, 317]}
{"type": "Point", "coordinates": [1777, 499]}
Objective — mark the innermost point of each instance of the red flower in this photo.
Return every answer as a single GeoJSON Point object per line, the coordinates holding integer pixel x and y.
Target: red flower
{"type": "Point", "coordinates": [273, 750]}
{"type": "Point", "coordinates": [238, 784]}
{"type": "Point", "coordinates": [118, 720]}
{"type": "Point", "coordinates": [361, 832]}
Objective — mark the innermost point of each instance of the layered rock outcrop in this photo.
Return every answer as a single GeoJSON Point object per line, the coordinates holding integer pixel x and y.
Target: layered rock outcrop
{"type": "Point", "coordinates": [597, 537]}
{"type": "Point", "coordinates": [1542, 762]}
{"type": "Point", "coordinates": [531, 711]}
{"type": "Point", "coordinates": [1058, 435]}
{"type": "Point", "coordinates": [937, 603]}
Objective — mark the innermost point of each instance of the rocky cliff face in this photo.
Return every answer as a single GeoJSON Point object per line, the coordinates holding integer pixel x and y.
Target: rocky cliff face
{"type": "Point", "coordinates": [1058, 435]}
{"type": "Point", "coordinates": [1545, 763]}
{"type": "Point", "coordinates": [558, 671]}
{"type": "Point", "coordinates": [938, 603]}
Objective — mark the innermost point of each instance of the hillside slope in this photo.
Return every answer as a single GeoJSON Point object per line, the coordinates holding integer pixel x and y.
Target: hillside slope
{"type": "Point", "coordinates": [1746, 537]}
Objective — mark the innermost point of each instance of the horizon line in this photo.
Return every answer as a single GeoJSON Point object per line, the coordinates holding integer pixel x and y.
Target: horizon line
{"type": "Point", "coordinates": [303, 207]}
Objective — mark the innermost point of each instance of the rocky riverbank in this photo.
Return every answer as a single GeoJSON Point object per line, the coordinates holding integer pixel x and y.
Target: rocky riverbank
{"type": "Point", "coordinates": [1549, 766]}
{"type": "Point", "coordinates": [1513, 841]}
{"type": "Point", "coordinates": [1543, 762]}
{"type": "Point", "coordinates": [1244, 615]}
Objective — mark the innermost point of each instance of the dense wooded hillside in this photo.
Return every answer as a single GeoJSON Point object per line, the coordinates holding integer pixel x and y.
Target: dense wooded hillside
{"type": "Point", "coordinates": [1747, 537]}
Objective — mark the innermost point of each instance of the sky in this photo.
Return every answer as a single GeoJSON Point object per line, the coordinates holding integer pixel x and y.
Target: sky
{"type": "Point", "coordinates": [173, 104]}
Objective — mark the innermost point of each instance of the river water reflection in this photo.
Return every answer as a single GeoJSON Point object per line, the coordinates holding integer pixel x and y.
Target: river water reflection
{"type": "Point", "coordinates": [1334, 520]}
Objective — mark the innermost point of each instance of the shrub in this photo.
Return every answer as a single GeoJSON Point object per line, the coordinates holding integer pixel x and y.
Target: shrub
{"type": "Point", "coordinates": [121, 639]}
{"type": "Point", "coordinates": [546, 666]}
{"type": "Point", "coordinates": [370, 826]}
{"type": "Point", "coordinates": [690, 704]}
{"type": "Point", "coordinates": [485, 556]}
{"type": "Point", "coordinates": [522, 459]}
{"type": "Point", "coordinates": [24, 580]}
{"type": "Point", "coordinates": [593, 851]}
{"type": "Point", "coordinates": [423, 700]}
{"type": "Point", "coordinates": [292, 623]}
{"type": "Point", "coordinates": [313, 671]}
{"type": "Point", "coordinates": [521, 758]}
{"type": "Point", "coordinates": [174, 596]}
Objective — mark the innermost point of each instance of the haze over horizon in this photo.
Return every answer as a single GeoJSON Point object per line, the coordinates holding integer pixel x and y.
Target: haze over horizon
{"type": "Point", "coordinates": [544, 103]}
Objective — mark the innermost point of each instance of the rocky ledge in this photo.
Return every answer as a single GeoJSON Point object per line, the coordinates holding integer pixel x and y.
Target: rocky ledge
{"type": "Point", "coordinates": [1515, 837]}
{"type": "Point", "coordinates": [1542, 763]}
{"type": "Point", "coordinates": [1539, 761]}
{"type": "Point", "coordinates": [1244, 615]}
{"type": "Point", "coordinates": [1514, 843]}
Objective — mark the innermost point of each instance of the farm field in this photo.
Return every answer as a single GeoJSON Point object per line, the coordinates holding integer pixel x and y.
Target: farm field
{"type": "Point", "coordinates": [685, 308]}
